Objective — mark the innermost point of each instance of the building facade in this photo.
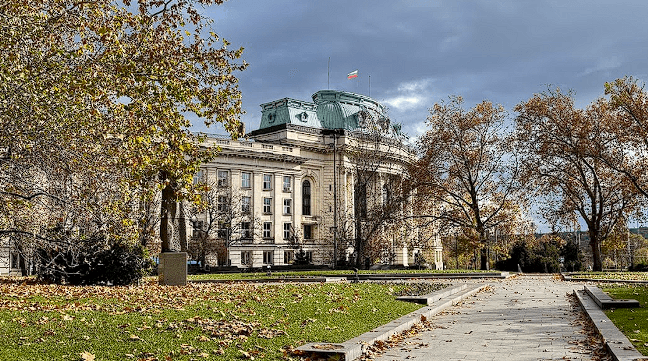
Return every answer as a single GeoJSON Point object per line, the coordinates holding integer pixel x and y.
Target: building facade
{"type": "Point", "coordinates": [312, 180]}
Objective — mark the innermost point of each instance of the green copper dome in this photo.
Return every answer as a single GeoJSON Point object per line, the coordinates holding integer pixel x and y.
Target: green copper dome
{"type": "Point", "coordinates": [330, 109]}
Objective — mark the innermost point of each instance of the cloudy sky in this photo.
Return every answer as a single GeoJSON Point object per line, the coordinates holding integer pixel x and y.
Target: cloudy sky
{"type": "Point", "coordinates": [418, 53]}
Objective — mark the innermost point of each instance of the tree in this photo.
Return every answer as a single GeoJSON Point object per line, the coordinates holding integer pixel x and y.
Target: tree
{"type": "Point", "coordinates": [93, 113]}
{"type": "Point", "coordinates": [376, 160]}
{"type": "Point", "coordinates": [467, 171]}
{"type": "Point", "coordinates": [557, 142]}
{"type": "Point", "coordinates": [627, 130]}
{"type": "Point", "coordinates": [222, 218]}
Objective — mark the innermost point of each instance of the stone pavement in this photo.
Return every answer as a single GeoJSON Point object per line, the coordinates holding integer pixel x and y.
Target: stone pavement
{"type": "Point", "coordinates": [524, 318]}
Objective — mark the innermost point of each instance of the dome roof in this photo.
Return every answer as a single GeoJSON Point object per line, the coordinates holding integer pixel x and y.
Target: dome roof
{"type": "Point", "coordinates": [344, 110]}
{"type": "Point", "coordinates": [330, 109]}
{"type": "Point", "coordinates": [336, 115]}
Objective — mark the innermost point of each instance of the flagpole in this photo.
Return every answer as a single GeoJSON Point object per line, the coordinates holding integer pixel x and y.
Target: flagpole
{"type": "Point", "coordinates": [369, 86]}
{"type": "Point", "coordinates": [328, 74]}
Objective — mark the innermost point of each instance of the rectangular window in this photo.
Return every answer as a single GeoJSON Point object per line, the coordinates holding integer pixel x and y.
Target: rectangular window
{"type": "Point", "coordinates": [267, 181]}
{"type": "Point", "coordinates": [246, 180]}
{"type": "Point", "coordinates": [267, 205]}
{"type": "Point", "coordinates": [267, 229]}
{"type": "Point", "coordinates": [289, 257]}
{"type": "Point", "coordinates": [268, 257]}
{"type": "Point", "coordinates": [287, 184]}
{"type": "Point", "coordinates": [287, 209]}
{"type": "Point", "coordinates": [222, 205]}
{"type": "Point", "coordinates": [222, 230]}
{"type": "Point", "coordinates": [287, 230]}
{"type": "Point", "coordinates": [309, 256]}
{"type": "Point", "coordinates": [246, 203]}
{"type": "Point", "coordinates": [197, 228]}
{"type": "Point", "coordinates": [198, 177]}
{"type": "Point", "coordinates": [308, 231]}
{"type": "Point", "coordinates": [246, 258]}
{"type": "Point", "coordinates": [14, 261]}
{"type": "Point", "coordinates": [246, 230]}
{"type": "Point", "coordinates": [223, 178]}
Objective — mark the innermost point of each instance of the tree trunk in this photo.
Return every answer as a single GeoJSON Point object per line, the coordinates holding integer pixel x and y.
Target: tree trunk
{"type": "Point", "coordinates": [483, 240]}
{"type": "Point", "coordinates": [595, 244]}
{"type": "Point", "coordinates": [182, 228]}
{"type": "Point", "coordinates": [167, 214]}
{"type": "Point", "coordinates": [484, 259]}
{"type": "Point", "coordinates": [358, 243]}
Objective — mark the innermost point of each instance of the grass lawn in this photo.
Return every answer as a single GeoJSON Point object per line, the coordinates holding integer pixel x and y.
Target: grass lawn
{"type": "Point", "coordinates": [633, 322]}
{"type": "Point", "coordinates": [627, 276]}
{"type": "Point", "coordinates": [257, 275]}
{"type": "Point", "coordinates": [194, 322]}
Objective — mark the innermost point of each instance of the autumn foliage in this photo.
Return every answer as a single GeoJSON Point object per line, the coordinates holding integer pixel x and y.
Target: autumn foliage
{"type": "Point", "coordinates": [563, 150]}
{"type": "Point", "coordinates": [467, 172]}
{"type": "Point", "coordinates": [94, 119]}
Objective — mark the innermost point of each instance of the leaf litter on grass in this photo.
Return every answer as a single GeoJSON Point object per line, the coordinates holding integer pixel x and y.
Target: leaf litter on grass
{"type": "Point", "coordinates": [191, 321]}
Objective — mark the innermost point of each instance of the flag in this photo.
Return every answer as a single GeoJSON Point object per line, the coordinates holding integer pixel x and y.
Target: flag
{"type": "Point", "coordinates": [353, 74]}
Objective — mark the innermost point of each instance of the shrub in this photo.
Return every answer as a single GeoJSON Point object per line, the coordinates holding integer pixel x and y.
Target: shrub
{"type": "Point", "coordinates": [639, 267]}
{"type": "Point", "coordinates": [301, 258]}
{"type": "Point", "coordinates": [541, 256]}
{"type": "Point", "coordinates": [92, 262]}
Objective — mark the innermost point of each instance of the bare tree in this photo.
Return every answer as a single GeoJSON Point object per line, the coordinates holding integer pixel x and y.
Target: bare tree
{"type": "Point", "coordinates": [223, 217]}
{"type": "Point", "coordinates": [376, 159]}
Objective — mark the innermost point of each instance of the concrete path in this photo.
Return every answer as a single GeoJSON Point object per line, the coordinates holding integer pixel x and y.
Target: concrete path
{"type": "Point", "coordinates": [524, 318]}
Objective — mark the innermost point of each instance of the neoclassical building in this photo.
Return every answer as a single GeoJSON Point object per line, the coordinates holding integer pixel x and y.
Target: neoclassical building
{"type": "Point", "coordinates": [312, 175]}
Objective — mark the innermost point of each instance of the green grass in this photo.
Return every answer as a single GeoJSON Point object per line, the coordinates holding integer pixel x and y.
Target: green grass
{"type": "Point", "coordinates": [633, 322]}
{"type": "Point", "coordinates": [198, 321]}
{"type": "Point", "coordinates": [625, 276]}
{"type": "Point", "coordinates": [260, 275]}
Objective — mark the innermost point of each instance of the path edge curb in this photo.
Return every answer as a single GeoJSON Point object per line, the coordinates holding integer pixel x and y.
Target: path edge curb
{"type": "Point", "coordinates": [615, 341]}
{"type": "Point", "coordinates": [356, 346]}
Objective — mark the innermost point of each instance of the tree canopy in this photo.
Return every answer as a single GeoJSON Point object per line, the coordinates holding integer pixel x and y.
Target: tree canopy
{"type": "Point", "coordinates": [559, 144]}
{"type": "Point", "coordinates": [94, 109]}
{"type": "Point", "coordinates": [466, 169]}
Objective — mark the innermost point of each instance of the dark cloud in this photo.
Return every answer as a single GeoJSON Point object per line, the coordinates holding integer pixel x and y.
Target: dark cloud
{"type": "Point", "coordinates": [419, 52]}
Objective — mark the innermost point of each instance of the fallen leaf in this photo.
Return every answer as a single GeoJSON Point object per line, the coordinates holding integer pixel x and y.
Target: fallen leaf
{"type": "Point", "coordinates": [87, 356]}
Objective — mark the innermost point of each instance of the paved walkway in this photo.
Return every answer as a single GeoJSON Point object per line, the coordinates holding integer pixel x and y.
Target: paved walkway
{"type": "Point", "coordinates": [524, 318]}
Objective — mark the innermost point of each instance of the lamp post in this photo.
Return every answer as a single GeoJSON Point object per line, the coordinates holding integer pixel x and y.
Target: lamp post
{"type": "Point", "coordinates": [334, 231]}
{"type": "Point", "coordinates": [196, 234]}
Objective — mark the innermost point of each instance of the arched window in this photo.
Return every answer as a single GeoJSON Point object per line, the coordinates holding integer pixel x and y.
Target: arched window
{"type": "Point", "coordinates": [306, 198]}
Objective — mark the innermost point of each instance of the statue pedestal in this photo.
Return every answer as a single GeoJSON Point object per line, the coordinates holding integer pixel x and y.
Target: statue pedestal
{"type": "Point", "coordinates": [172, 270]}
